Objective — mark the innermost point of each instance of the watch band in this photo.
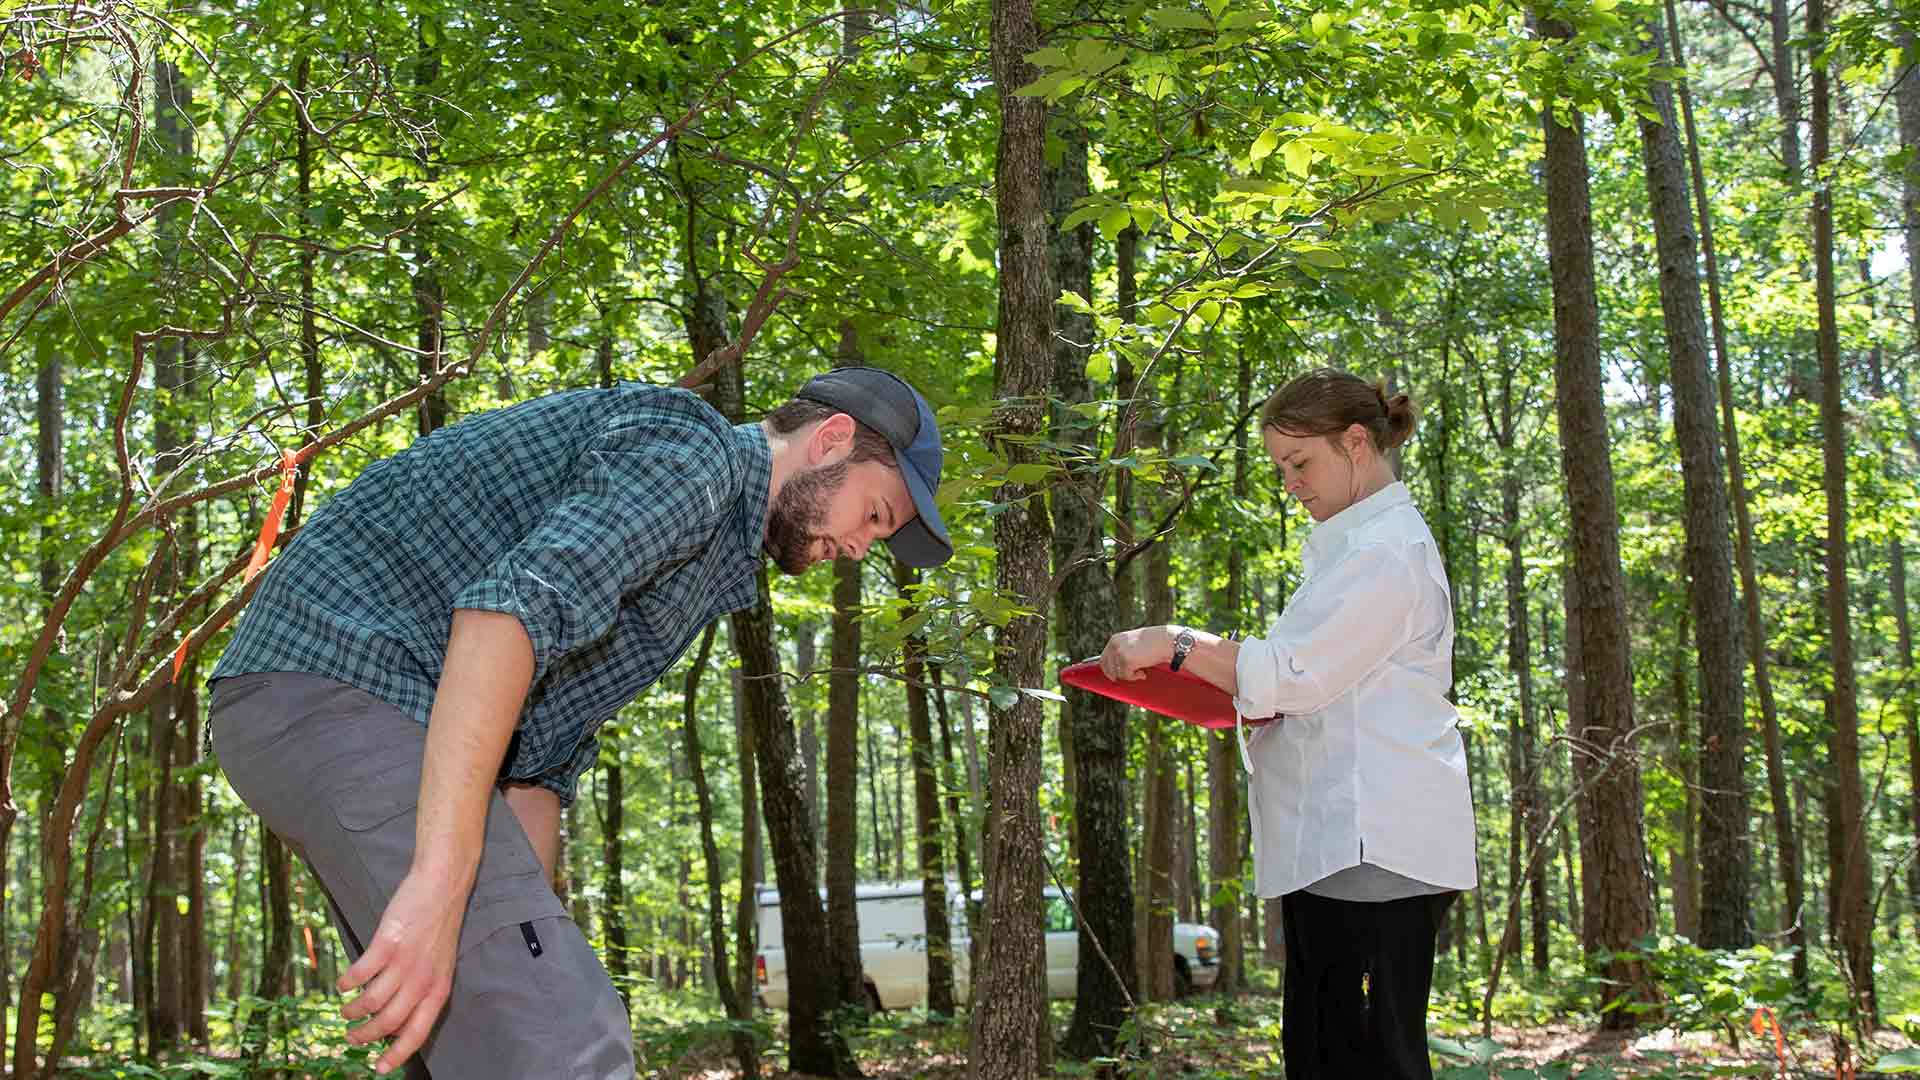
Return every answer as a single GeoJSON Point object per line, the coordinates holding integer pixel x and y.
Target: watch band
{"type": "Point", "coordinates": [1182, 645]}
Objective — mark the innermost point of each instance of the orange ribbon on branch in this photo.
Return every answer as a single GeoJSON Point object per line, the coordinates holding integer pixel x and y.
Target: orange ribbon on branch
{"type": "Point", "coordinates": [269, 535]}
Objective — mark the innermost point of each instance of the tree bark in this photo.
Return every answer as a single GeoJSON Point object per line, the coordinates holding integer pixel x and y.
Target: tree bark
{"type": "Point", "coordinates": [1009, 1014]}
{"type": "Point", "coordinates": [926, 811]}
{"type": "Point", "coordinates": [1725, 918]}
{"type": "Point", "coordinates": [730, 1000]}
{"type": "Point", "coordinates": [1094, 727]}
{"type": "Point", "coordinates": [429, 295]}
{"type": "Point", "coordinates": [1226, 866]}
{"type": "Point", "coordinates": [1618, 901]}
{"type": "Point", "coordinates": [1851, 889]}
{"type": "Point", "coordinates": [1755, 637]}
{"type": "Point", "coordinates": [812, 991]}
{"type": "Point", "coordinates": [843, 780]}
{"type": "Point", "coordinates": [1907, 100]}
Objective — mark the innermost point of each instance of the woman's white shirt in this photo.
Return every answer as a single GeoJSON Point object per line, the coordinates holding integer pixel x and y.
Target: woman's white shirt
{"type": "Point", "coordinates": [1367, 764]}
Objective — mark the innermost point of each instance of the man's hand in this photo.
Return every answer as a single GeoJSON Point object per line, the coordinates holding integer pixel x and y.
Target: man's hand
{"type": "Point", "coordinates": [406, 972]}
{"type": "Point", "coordinates": [407, 969]}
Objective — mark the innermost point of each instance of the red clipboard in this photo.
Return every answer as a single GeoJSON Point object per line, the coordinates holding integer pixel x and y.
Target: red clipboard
{"type": "Point", "coordinates": [1163, 690]}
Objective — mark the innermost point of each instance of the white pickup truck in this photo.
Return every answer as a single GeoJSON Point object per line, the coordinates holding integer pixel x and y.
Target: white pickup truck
{"type": "Point", "coordinates": [893, 947]}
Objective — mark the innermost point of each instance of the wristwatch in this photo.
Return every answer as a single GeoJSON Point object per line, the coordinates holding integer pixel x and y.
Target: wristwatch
{"type": "Point", "coordinates": [1182, 645]}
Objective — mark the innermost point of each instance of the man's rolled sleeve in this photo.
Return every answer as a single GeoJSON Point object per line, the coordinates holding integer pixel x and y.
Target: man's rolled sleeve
{"type": "Point", "coordinates": [636, 492]}
{"type": "Point", "coordinates": [1322, 646]}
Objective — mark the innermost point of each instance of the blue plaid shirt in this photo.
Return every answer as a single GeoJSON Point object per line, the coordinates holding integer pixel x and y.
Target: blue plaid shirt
{"type": "Point", "coordinates": [615, 524]}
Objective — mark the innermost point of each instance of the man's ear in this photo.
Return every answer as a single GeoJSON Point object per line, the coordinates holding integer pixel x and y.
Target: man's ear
{"type": "Point", "coordinates": [831, 441]}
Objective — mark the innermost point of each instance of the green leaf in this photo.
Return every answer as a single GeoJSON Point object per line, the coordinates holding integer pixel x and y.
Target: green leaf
{"type": "Point", "coordinates": [1263, 146]}
{"type": "Point", "coordinates": [1029, 472]}
{"type": "Point", "coordinates": [1299, 157]}
{"type": "Point", "coordinates": [1100, 367]}
{"type": "Point", "coordinates": [1156, 87]}
{"type": "Point", "coordinates": [1003, 697]}
{"type": "Point", "coordinates": [1209, 311]}
{"type": "Point", "coordinates": [1115, 221]}
{"type": "Point", "coordinates": [1071, 299]}
{"type": "Point", "coordinates": [1322, 22]}
{"type": "Point", "coordinates": [1082, 216]}
{"type": "Point", "coordinates": [1049, 57]}
{"type": "Point", "coordinates": [1180, 19]}
{"type": "Point", "coordinates": [1904, 1060]}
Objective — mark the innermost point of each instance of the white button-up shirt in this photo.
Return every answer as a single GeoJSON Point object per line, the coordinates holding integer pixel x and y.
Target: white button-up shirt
{"type": "Point", "coordinates": [1367, 764]}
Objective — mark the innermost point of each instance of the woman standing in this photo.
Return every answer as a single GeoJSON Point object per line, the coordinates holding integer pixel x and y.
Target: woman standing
{"type": "Point", "coordinates": [1362, 819]}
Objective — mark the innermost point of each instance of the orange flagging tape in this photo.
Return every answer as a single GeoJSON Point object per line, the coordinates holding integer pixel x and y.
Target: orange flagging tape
{"type": "Point", "coordinates": [270, 528]}
{"type": "Point", "coordinates": [1763, 1019]}
{"type": "Point", "coordinates": [269, 535]}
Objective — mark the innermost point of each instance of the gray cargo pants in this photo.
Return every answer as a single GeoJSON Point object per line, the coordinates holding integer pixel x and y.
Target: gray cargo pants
{"type": "Point", "coordinates": [336, 773]}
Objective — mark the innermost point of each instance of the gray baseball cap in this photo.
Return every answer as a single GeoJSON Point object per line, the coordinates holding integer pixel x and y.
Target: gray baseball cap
{"type": "Point", "coordinates": [884, 402]}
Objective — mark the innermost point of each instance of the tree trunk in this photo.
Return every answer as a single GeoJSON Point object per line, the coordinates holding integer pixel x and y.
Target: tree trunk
{"type": "Point", "coordinates": [926, 811]}
{"type": "Point", "coordinates": [804, 662]}
{"type": "Point", "coordinates": [1226, 867]}
{"type": "Point", "coordinates": [813, 991]}
{"type": "Point", "coordinates": [429, 295]}
{"type": "Point", "coordinates": [843, 780]}
{"type": "Point", "coordinates": [1786, 87]}
{"type": "Point", "coordinates": [1619, 901]}
{"type": "Point", "coordinates": [1009, 1014]}
{"type": "Point", "coordinates": [1755, 635]}
{"type": "Point", "coordinates": [1155, 923]}
{"type": "Point", "coordinates": [730, 999]}
{"type": "Point", "coordinates": [1094, 739]}
{"type": "Point", "coordinates": [1725, 919]}
{"type": "Point", "coordinates": [1907, 98]}
{"type": "Point", "coordinates": [1852, 893]}
{"type": "Point", "coordinates": [746, 911]}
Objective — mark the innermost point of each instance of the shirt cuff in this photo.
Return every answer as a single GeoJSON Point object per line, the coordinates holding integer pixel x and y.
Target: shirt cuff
{"type": "Point", "coordinates": [495, 594]}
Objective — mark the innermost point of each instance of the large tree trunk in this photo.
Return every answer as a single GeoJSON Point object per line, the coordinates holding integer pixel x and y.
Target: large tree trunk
{"type": "Point", "coordinates": [1009, 1014]}
{"type": "Point", "coordinates": [926, 812]}
{"type": "Point", "coordinates": [163, 925]}
{"type": "Point", "coordinates": [1851, 890]}
{"type": "Point", "coordinates": [1785, 838]}
{"type": "Point", "coordinates": [1907, 98]}
{"type": "Point", "coordinates": [1725, 919]}
{"type": "Point", "coordinates": [1619, 900]}
{"type": "Point", "coordinates": [843, 783]}
{"type": "Point", "coordinates": [1094, 728]}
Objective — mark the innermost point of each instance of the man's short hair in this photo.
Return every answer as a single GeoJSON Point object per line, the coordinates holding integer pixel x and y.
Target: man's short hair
{"type": "Point", "coordinates": [868, 444]}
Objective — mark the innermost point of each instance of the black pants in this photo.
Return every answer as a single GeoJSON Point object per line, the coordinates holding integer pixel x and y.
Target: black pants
{"type": "Point", "coordinates": [1357, 981]}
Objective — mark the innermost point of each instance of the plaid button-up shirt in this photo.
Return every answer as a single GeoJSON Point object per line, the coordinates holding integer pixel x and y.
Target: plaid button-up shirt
{"type": "Point", "coordinates": [615, 524]}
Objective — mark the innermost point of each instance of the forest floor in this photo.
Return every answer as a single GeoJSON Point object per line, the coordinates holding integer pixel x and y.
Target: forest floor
{"type": "Point", "coordinates": [1189, 1043]}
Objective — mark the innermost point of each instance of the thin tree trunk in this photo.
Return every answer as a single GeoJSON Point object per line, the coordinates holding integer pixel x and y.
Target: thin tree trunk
{"type": "Point", "coordinates": [1619, 902]}
{"type": "Point", "coordinates": [926, 813]}
{"type": "Point", "coordinates": [1225, 797]}
{"type": "Point", "coordinates": [1009, 1014]}
{"type": "Point", "coordinates": [843, 778]}
{"type": "Point", "coordinates": [429, 295]}
{"type": "Point", "coordinates": [1155, 923]}
{"type": "Point", "coordinates": [1725, 918]}
{"type": "Point", "coordinates": [746, 912]}
{"type": "Point", "coordinates": [730, 999]}
{"type": "Point", "coordinates": [1853, 897]}
{"type": "Point", "coordinates": [812, 989]}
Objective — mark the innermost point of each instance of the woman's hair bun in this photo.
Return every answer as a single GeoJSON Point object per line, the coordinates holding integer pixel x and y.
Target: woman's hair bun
{"type": "Point", "coordinates": [1401, 418]}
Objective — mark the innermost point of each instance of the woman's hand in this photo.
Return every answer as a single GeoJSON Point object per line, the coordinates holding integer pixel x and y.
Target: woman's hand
{"type": "Point", "coordinates": [1130, 653]}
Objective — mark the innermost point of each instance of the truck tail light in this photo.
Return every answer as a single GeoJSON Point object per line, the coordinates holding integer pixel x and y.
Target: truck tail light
{"type": "Point", "coordinates": [760, 969]}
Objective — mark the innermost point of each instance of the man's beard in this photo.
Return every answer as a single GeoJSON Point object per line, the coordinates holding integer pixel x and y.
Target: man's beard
{"type": "Point", "coordinates": [798, 512]}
